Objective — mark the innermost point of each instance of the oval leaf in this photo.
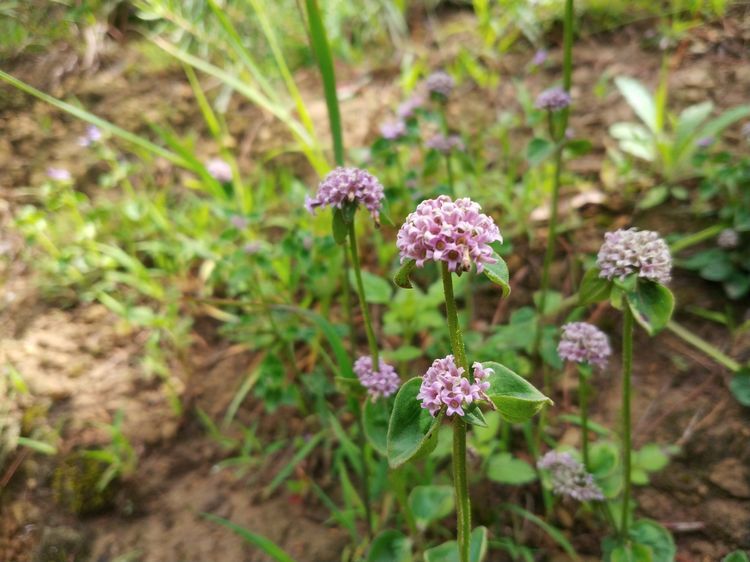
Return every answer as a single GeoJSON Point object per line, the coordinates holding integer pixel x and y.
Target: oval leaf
{"type": "Point", "coordinates": [506, 469]}
{"type": "Point", "coordinates": [429, 503]}
{"type": "Point", "coordinates": [390, 546]}
{"type": "Point", "coordinates": [650, 534]}
{"type": "Point", "coordinates": [375, 416]}
{"type": "Point", "coordinates": [402, 275]}
{"type": "Point", "coordinates": [448, 551]}
{"type": "Point", "coordinates": [412, 431]}
{"type": "Point", "coordinates": [498, 273]}
{"type": "Point", "coordinates": [593, 288]}
{"type": "Point", "coordinates": [516, 399]}
{"type": "Point", "coordinates": [652, 305]}
{"type": "Point", "coordinates": [740, 386]}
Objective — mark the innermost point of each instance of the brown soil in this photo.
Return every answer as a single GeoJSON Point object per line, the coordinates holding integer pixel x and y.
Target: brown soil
{"type": "Point", "coordinates": [82, 366]}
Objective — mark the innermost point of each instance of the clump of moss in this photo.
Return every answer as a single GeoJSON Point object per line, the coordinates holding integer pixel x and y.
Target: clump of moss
{"type": "Point", "coordinates": [75, 485]}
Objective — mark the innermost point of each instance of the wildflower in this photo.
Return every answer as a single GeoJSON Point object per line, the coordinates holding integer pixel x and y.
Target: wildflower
{"type": "Point", "coordinates": [540, 57]}
{"type": "Point", "coordinates": [444, 144]}
{"type": "Point", "coordinates": [444, 385]}
{"type": "Point", "coordinates": [440, 83]}
{"type": "Point", "coordinates": [252, 248]}
{"type": "Point", "coordinates": [728, 239]}
{"type": "Point", "coordinates": [92, 136]}
{"type": "Point", "coordinates": [393, 130]}
{"type": "Point", "coordinates": [584, 343]}
{"type": "Point", "coordinates": [59, 174]}
{"type": "Point", "coordinates": [569, 477]}
{"type": "Point", "coordinates": [379, 384]}
{"type": "Point", "coordinates": [553, 99]}
{"type": "Point", "coordinates": [642, 252]}
{"type": "Point", "coordinates": [239, 222]}
{"type": "Point", "coordinates": [345, 186]}
{"type": "Point", "coordinates": [705, 142]}
{"type": "Point", "coordinates": [407, 109]}
{"type": "Point", "coordinates": [219, 169]}
{"type": "Point", "coordinates": [457, 233]}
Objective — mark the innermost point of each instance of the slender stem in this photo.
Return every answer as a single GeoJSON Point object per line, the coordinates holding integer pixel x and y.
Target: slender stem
{"type": "Point", "coordinates": [460, 481]}
{"type": "Point", "coordinates": [699, 343]}
{"type": "Point", "coordinates": [583, 405]}
{"type": "Point", "coordinates": [372, 342]}
{"type": "Point", "coordinates": [449, 170]}
{"type": "Point", "coordinates": [365, 483]}
{"type": "Point", "coordinates": [347, 300]}
{"type": "Point", "coordinates": [627, 371]}
{"type": "Point", "coordinates": [696, 238]}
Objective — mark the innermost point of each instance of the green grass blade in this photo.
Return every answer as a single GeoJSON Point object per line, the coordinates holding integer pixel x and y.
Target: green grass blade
{"type": "Point", "coordinates": [266, 545]}
{"type": "Point", "coordinates": [239, 397]}
{"type": "Point", "coordinates": [322, 51]}
{"type": "Point", "coordinates": [208, 113]}
{"type": "Point", "coordinates": [94, 120]}
{"type": "Point", "coordinates": [36, 445]}
{"type": "Point", "coordinates": [298, 457]}
{"type": "Point", "coordinates": [553, 532]}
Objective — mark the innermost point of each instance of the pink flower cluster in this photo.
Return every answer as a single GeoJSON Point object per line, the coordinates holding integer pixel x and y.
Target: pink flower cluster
{"type": "Point", "coordinates": [379, 384]}
{"type": "Point", "coordinates": [445, 144]}
{"type": "Point", "coordinates": [582, 342]}
{"type": "Point", "coordinates": [643, 252]}
{"type": "Point", "coordinates": [553, 99]}
{"type": "Point", "coordinates": [569, 477]}
{"type": "Point", "coordinates": [440, 83]}
{"type": "Point", "coordinates": [344, 186]}
{"type": "Point", "coordinates": [457, 233]}
{"type": "Point", "coordinates": [444, 385]}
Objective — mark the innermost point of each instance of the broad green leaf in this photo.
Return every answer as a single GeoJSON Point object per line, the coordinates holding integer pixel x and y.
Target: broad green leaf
{"type": "Point", "coordinates": [656, 538]}
{"type": "Point", "coordinates": [578, 147]}
{"type": "Point", "coordinates": [375, 416]}
{"type": "Point", "coordinates": [652, 305]}
{"type": "Point", "coordinates": [651, 457]}
{"type": "Point", "coordinates": [736, 556]}
{"type": "Point", "coordinates": [473, 415]}
{"type": "Point", "coordinates": [448, 551]}
{"type": "Point", "coordinates": [714, 127]}
{"type": "Point", "coordinates": [339, 227]}
{"type": "Point", "coordinates": [377, 289]}
{"type": "Point", "coordinates": [640, 100]}
{"type": "Point", "coordinates": [498, 273]}
{"type": "Point", "coordinates": [632, 552]}
{"type": "Point", "coordinates": [390, 546]}
{"type": "Point", "coordinates": [654, 197]}
{"type": "Point", "coordinates": [401, 278]}
{"type": "Point", "coordinates": [688, 122]}
{"type": "Point", "coordinates": [412, 431]}
{"type": "Point", "coordinates": [593, 288]}
{"type": "Point", "coordinates": [487, 433]}
{"type": "Point", "coordinates": [740, 386]}
{"type": "Point", "coordinates": [539, 150]}
{"type": "Point", "coordinates": [507, 469]}
{"type": "Point", "coordinates": [430, 503]}
{"type": "Point", "coordinates": [635, 140]}
{"type": "Point", "coordinates": [516, 399]}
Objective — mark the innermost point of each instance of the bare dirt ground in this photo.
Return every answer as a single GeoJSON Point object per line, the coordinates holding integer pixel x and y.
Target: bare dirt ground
{"type": "Point", "coordinates": [81, 365]}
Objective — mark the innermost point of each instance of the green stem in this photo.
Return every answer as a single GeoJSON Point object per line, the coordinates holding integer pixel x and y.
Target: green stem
{"type": "Point", "coordinates": [460, 481]}
{"type": "Point", "coordinates": [696, 238]}
{"type": "Point", "coordinates": [372, 342]}
{"type": "Point", "coordinates": [449, 171]}
{"type": "Point", "coordinates": [347, 298]}
{"type": "Point", "coordinates": [398, 481]}
{"type": "Point", "coordinates": [583, 405]}
{"type": "Point", "coordinates": [702, 345]}
{"type": "Point", "coordinates": [365, 483]}
{"type": "Point", "coordinates": [627, 371]}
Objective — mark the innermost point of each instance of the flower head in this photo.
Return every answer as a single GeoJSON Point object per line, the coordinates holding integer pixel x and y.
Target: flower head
{"type": "Point", "coordinates": [444, 385]}
{"type": "Point", "coordinates": [440, 83]}
{"type": "Point", "coordinates": [444, 144]}
{"type": "Point", "coordinates": [705, 142]}
{"type": "Point", "coordinates": [59, 174]}
{"type": "Point", "coordinates": [379, 384]}
{"type": "Point", "coordinates": [569, 477]}
{"type": "Point", "coordinates": [540, 57]}
{"type": "Point", "coordinates": [239, 222]}
{"type": "Point", "coordinates": [348, 186]}
{"type": "Point", "coordinates": [728, 239]}
{"type": "Point", "coordinates": [553, 99]}
{"type": "Point", "coordinates": [582, 342]}
{"type": "Point", "coordinates": [407, 108]}
{"type": "Point", "coordinates": [219, 169]}
{"type": "Point", "coordinates": [252, 248]}
{"type": "Point", "coordinates": [92, 135]}
{"type": "Point", "coordinates": [393, 130]}
{"type": "Point", "coordinates": [642, 252]}
{"type": "Point", "coordinates": [457, 233]}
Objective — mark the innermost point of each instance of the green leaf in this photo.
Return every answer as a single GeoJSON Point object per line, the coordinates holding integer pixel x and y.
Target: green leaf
{"type": "Point", "coordinates": [339, 227]}
{"type": "Point", "coordinates": [640, 100]}
{"type": "Point", "coordinates": [430, 503]}
{"type": "Point", "coordinates": [36, 445]}
{"type": "Point", "coordinates": [557, 535]}
{"type": "Point", "coordinates": [736, 556]}
{"type": "Point", "coordinates": [448, 551]}
{"type": "Point", "coordinates": [740, 386]}
{"type": "Point", "coordinates": [516, 399]}
{"type": "Point", "coordinates": [473, 415]}
{"type": "Point", "coordinates": [507, 469]}
{"type": "Point", "coordinates": [260, 542]}
{"type": "Point", "coordinates": [375, 416]}
{"type": "Point", "coordinates": [412, 431]}
{"type": "Point", "coordinates": [654, 197]}
{"type": "Point", "coordinates": [539, 150]}
{"type": "Point", "coordinates": [498, 273]}
{"type": "Point", "coordinates": [651, 458]}
{"type": "Point", "coordinates": [390, 546]}
{"type": "Point", "coordinates": [377, 289]}
{"type": "Point", "coordinates": [593, 288]}
{"type": "Point", "coordinates": [656, 538]}
{"type": "Point", "coordinates": [401, 278]}
{"type": "Point", "coordinates": [578, 147]}
{"type": "Point", "coordinates": [632, 552]}
{"type": "Point", "coordinates": [652, 305]}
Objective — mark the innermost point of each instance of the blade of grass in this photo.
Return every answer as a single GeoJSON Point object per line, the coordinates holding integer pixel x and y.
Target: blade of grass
{"type": "Point", "coordinates": [266, 545]}
{"type": "Point", "coordinates": [299, 456]}
{"type": "Point", "coordinates": [554, 533]}
{"type": "Point", "coordinates": [239, 397]}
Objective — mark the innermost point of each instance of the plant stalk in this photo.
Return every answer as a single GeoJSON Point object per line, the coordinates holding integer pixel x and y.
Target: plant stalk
{"type": "Point", "coordinates": [699, 343]}
{"type": "Point", "coordinates": [583, 405]}
{"type": "Point", "coordinates": [627, 371]}
{"type": "Point", "coordinates": [371, 341]}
